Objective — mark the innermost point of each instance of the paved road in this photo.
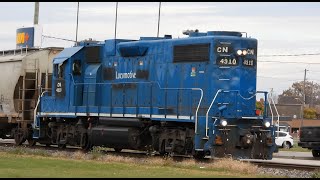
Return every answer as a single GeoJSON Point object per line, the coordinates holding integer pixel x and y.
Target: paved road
{"type": "Point", "coordinates": [293, 155]}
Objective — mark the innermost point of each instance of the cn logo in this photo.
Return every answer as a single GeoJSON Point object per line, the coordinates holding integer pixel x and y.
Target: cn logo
{"type": "Point", "coordinates": [59, 87]}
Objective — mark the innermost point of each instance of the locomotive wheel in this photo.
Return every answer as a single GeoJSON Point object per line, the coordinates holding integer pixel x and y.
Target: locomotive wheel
{"type": "Point", "coordinates": [87, 145]}
{"type": "Point", "coordinates": [316, 153]}
{"type": "Point", "coordinates": [31, 142]}
{"type": "Point", "coordinates": [62, 146]}
{"type": "Point", "coordinates": [117, 149]}
{"type": "Point", "coordinates": [162, 150]}
{"type": "Point", "coordinates": [19, 137]}
{"type": "Point", "coordinates": [199, 155]}
{"type": "Point", "coordinates": [87, 148]}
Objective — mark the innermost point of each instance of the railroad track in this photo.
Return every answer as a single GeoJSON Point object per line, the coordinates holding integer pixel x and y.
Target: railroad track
{"type": "Point", "coordinates": [284, 165]}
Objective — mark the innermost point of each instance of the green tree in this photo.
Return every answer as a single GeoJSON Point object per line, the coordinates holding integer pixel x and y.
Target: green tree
{"type": "Point", "coordinates": [309, 113]}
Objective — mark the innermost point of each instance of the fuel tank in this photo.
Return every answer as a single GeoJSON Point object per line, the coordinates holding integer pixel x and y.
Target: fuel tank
{"type": "Point", "coordinates": [117, 132]}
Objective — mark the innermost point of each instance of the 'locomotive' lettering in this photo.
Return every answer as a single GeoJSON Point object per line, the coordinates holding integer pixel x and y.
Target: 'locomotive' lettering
{"type": "Point", "coordinates": [129, 75]}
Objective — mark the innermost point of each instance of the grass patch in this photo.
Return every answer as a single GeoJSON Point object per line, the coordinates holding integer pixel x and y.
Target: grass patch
{"type": "Point", "coordinates": [26, 163]}
{"type": "Point", "coordinates": [295, 147]}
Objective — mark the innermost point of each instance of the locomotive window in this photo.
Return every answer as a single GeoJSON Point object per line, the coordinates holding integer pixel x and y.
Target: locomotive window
{"type": "Point", "coordinates": [191, 53]}
{"type": "Point", "coordinates": [56, 67]}
{"type": "Point", "coordinates": [76, 67]}
{"type": "Point", "coordinates": [61, 70]}
{"type": "Point", "coordinates": [109, 73]}
{"type": "Point", "coordinates": [93, 54]}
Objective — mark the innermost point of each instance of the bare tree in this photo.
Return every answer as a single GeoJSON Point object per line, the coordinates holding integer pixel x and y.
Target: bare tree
{"type": "Point", "coordinates": [294, 95]}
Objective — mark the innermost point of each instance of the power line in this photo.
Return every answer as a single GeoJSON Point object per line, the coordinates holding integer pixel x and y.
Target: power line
{"type": "Point", "coordinates": [287, 73]}
{"type": "Point", "coordinates": [58, 38]}
{"type": "Point", "coordinates": [274, 55]}
{"type": "Point", "coordinates": [288, 62]}
{"type": "Point", "coordinates": [280, 79]}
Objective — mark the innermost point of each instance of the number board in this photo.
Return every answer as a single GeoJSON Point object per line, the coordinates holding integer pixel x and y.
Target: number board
{"type": "Point", "coordinates": [248, 62]}
{"type": "Point", "coordinates": [227, 61]}
{"type": "Point", "coordinates": [60, 88]}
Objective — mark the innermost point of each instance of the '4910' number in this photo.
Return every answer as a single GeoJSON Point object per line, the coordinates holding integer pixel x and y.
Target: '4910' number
{"type": "Point", "coordinates": [226, 61]}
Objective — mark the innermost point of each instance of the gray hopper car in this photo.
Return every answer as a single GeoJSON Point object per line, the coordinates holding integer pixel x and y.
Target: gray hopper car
{"type": "Point", "coordinates": [22, 73]}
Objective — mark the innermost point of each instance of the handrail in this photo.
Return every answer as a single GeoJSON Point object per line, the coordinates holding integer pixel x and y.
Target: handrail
{"type": "Point", "coordinates": [196, 115]}
{"type": "Point", "coordinates": [155, 82]}
{"type": "Point", "coordinates": [220, 90]}
{"type": "Point", "coordinates": [207, 114]}
{"type": "Point", "coordinates": [278, 119]}
{"type": "Point", "coordinates": [36, 108]}
{"type": "Point", "coordinates": [278, 116]}
{"type": "Point", "coordinates": [270, 111]}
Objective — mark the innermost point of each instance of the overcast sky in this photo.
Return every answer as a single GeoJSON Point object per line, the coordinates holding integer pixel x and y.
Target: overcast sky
{"type": "Point", "coordinates": [281, 28]}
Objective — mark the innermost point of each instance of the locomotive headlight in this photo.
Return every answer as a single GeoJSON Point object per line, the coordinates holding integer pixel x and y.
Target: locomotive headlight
{"type": "Point", "coordinates": [244, 52]}
{"type": "Point", "coordinates": [223, 122]}
{"type": "Point", "coordinates": [239, 52]}
{"type": "Point", "coordinates": [267, 124]}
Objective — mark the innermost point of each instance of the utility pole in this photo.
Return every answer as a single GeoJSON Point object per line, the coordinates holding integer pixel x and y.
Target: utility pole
{"type": "Point", "coordinates": [304, 95]}
{"type": "Point", "coordinates": [159, 19]}
{"type": "Point", "coordinates": [304, 87]}
{"type": "Point", "coordinates": [311, 96]}
{"type": "Point", "coordinates": [36, 13]}
{"type": "Point", "coordinates": [77, 24]}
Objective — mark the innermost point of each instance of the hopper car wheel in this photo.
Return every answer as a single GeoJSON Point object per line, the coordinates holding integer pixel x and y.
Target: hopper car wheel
{"type": "Point", "coordinates": [117, 149]}
{"type": "Point", "coordinates": [19, 137]}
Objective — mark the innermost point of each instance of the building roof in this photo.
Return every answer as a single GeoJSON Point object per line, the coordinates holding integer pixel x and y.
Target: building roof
{"type": "Point", "coordinates": [23, 50]}
{"type": "Point", "coordinates": [295, 123]}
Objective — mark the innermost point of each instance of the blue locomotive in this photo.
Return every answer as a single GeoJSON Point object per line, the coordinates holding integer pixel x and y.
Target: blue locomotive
{"type": "Point", "coordinates": [187, 96]}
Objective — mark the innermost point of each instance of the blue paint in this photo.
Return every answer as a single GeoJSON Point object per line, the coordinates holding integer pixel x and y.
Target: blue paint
{"type": "Point", "coordinates": [141, 79]}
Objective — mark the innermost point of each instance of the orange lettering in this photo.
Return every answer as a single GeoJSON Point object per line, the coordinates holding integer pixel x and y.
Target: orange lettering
{"type": "Point", "coordinates": [20, 38]}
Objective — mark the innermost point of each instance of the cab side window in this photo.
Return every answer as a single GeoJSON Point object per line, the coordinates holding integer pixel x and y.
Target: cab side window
{"type": "Point", "coordinates": [76, 67]}
{"type": "Point", "coordinates": [61, 70]}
